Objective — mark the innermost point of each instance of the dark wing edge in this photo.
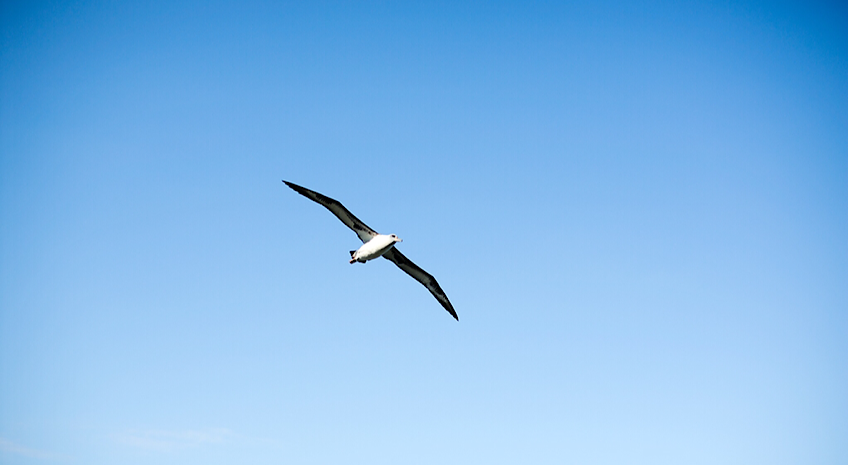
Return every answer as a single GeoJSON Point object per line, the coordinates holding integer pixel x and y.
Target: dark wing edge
{"type": "Point", "coordinates": [361, 229]}
{"type": "Point", "coordinates": [421, 276]}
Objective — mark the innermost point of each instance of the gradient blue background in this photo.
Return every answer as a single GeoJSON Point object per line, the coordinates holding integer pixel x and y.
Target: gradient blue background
{"type": "Point", "coordinates": [639, 211]}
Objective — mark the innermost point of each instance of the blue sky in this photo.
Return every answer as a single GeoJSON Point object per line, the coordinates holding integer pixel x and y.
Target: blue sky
{"type": "Point", "coordinates": [639, 211]}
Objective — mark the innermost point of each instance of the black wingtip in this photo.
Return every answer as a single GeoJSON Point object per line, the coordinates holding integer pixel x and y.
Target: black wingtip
{"type": "Point", "coordinates": [300, 190]}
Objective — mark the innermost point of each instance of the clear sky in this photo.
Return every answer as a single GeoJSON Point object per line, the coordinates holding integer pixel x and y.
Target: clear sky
{"type": "Point", "coordinates": [639, 211]}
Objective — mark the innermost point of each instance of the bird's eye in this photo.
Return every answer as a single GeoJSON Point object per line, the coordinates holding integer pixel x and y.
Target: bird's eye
{"type": "Point", "coordinates": [393, 235]}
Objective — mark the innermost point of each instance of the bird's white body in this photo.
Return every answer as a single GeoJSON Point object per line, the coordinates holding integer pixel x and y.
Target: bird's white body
{"type": "Point", "coordinates": [375, 248]}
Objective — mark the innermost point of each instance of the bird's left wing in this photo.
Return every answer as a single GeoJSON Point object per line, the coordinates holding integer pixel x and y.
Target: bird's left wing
{"type": "Point", "coordinates": [421, 276]}
{"type": "Point", "coordinates": [361, 229]}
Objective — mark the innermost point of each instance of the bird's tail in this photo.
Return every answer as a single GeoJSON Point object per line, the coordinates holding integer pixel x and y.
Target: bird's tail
{"type": "Point", "coordinates": [351, 253]}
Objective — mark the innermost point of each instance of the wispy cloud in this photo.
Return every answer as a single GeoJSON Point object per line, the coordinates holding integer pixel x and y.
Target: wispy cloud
{"type": "Point", "coordinates": [9, 447]}
{"type": "Point", "coordinates": [164, 440]}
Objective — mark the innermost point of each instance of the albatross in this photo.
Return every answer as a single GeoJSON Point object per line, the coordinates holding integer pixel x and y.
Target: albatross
{"type": "Point", "coordinates": [375, 245]}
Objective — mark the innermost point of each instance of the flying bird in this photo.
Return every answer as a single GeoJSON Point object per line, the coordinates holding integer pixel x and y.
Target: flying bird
{"type": "Point", "coordinates": [377, 245]}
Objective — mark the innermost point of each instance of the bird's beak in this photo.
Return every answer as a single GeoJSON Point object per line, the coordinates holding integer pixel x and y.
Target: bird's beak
{"type": "Point", "coordinates": [400, 240]}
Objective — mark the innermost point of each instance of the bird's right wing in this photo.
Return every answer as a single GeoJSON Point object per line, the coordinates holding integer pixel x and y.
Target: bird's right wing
{"type": "Point", "coordinates": [421, 276]}
{"type": "Point", "coordinates": [361, 229]}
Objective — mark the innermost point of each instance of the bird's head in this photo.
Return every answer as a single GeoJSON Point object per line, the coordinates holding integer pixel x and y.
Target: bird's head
{"type": "Point", "coordinates": [397, 239]}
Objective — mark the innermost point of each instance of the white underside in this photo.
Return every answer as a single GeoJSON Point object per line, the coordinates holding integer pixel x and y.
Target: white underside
{"type": "Point", "coordinates": [374, 248]}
